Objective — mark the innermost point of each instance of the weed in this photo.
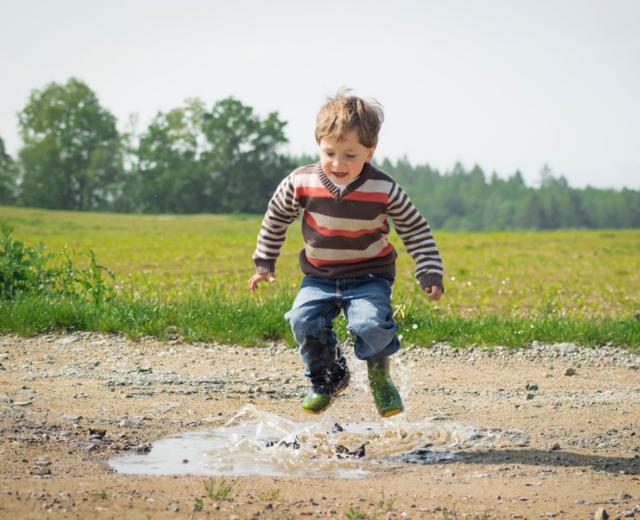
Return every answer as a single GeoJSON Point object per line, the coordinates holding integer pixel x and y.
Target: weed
{"type": "Point", "coordinates": [270, 496]}
{"type": "Point", "coordinates": [22, 268]}
{"type": "Point", "coordinates": [355, 514]}
{"type": "Point", "coordinates": [198, 504]}
{"type": "Point", "coordinates": [104, 495]}
{"type": "Point", "coordinates": [217, 491]}
{"type": "Point", "coordinates": [33, 271]}
{"type": "Point", "coordinates": [449, 515]}
{"type": "Point", "coordinates": [93, 282]}
{"type": "Point", "coordinates": [386, 504]}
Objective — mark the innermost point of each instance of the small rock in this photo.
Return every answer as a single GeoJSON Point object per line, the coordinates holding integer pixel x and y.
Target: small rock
{"type": "Point", "coordinates": [532, 385]}
{"type": "Point", "coordinates": [144, 447]}
{"type": "Point", "coordinates": [98, 433]}
{"type": "Point", "coordinates": [555, 447]}
{"type": "Point", "coordinates": [628, 513]}
{"type": "Point", "coordinates": [174, 507]}
{"type": "Point", "coordinates": [89, 446]}
{"type": "Point", "coordinates": [570, 371]}
{"type": "Point", "coordinates": [601, 514]}
{"type": "Point", "coordinates": [530, 396]}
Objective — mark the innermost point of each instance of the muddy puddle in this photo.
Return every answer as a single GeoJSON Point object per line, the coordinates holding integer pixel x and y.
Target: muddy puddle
{"type": "Point", "coordinates": [255, 442]}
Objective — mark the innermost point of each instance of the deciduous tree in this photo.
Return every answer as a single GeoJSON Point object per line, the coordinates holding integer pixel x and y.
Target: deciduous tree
{"type": "Point", "coordinates": [243, 155]}
{"type": "Point", "coordinates": [8, 176]}
{"type": "Point", "coordinates": [171, 174]}
{"type": "Point", "coordinates": [71, 156]}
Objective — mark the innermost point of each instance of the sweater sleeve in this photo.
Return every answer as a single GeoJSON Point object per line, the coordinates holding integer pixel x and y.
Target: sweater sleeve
{"type": "Point", "coordinates": [416, 235]}
{"type": "Point", "coordinates": [281, 212]}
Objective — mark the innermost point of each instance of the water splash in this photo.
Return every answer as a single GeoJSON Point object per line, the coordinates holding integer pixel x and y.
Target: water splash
{"type": "Point", "coordinates": [256, 442]}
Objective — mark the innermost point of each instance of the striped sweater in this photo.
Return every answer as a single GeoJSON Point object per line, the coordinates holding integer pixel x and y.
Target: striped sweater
{"type": "Point", "coordinates": [345, 234]}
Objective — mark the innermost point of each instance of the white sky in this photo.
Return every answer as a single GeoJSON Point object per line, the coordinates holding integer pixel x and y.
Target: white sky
{"type": "Point", "coordinates": [504, 84]}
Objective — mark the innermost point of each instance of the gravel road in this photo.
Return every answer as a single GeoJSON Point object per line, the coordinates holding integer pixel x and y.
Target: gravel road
{"type": "Point", "coordinates": [71, 402]}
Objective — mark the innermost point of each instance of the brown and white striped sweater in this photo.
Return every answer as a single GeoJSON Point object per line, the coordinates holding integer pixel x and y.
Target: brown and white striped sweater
{"type": "Point", "coordinates": [345, 234]}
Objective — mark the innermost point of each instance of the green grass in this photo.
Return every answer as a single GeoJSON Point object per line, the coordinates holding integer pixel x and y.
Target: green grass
{"type": "Point", "coordinates": [255, 323]}
{"type": "Point", "coordinates": [189, 274]}
{"type": "Point", "coordinates": [217, 490]}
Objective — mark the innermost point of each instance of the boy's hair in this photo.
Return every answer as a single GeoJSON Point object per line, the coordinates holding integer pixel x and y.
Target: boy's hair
{"type": "Point", "coordinates": [343, 113]}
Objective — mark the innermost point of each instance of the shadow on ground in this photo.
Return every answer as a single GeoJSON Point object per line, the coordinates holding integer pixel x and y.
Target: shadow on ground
{"type": "Point", "coordinates": [530, 457]}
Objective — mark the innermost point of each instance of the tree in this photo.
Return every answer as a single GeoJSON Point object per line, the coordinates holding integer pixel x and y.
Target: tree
{"type": "Point", "coordinates": [72, 155]}
{"type": "Point", "coordinates": [8, 176]}
{"type": "Point", "coordinates": [243, 156]}
{"type": "Point", "coordinates": [191, 160]}
{"type": "Point", "coordinates": [171, 174]}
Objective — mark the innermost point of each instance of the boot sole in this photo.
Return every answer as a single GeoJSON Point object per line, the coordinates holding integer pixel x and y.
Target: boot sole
{"type": "Point", "coordinates": [391, 413]}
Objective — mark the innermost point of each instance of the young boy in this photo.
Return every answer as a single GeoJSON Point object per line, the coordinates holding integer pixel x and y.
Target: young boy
{"type": "Point", "coordinates": [348, 262]}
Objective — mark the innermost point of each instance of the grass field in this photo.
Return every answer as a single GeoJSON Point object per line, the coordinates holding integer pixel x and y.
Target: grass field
{"type": "Point", "coordinates": [190, 273]}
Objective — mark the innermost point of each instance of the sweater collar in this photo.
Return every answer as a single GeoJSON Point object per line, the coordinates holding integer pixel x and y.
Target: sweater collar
{"type": "Point", "coordinates": [352, 186]}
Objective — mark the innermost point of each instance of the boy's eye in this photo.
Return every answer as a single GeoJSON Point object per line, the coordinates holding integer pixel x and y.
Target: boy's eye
{"type": "Point", "coordinates": [329, 154]}
{"type": "Point", "coordinates": [351, 156]}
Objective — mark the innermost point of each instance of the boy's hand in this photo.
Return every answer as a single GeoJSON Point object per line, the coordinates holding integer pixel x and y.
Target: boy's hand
{"type": "Point", "coordinates": [257, 278]}
{"type": "Point", "coordinates": [434, 292]}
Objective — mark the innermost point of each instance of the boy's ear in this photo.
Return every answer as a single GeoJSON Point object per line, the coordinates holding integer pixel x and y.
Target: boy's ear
{"type": "Point", "coordinates": [371, 152]}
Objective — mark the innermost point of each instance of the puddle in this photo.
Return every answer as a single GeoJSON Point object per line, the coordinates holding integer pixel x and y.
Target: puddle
{"type": "Point", "coordinates": [255, 442]}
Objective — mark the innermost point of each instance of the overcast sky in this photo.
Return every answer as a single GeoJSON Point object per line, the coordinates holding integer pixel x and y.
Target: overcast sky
{"type": "Point", "coordinates": [505, 84]}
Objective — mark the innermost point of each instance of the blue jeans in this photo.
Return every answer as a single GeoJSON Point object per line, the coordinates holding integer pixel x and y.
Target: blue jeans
{"type": "Point", "coordinates": [366, 302]}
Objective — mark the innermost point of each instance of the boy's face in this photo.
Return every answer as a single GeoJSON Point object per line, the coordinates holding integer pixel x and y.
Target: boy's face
{"type": "Point", "coordinates": [342, 161]}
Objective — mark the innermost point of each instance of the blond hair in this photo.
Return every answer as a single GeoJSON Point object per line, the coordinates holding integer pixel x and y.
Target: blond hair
{"type": "Point", "coordinates": [344, 113]}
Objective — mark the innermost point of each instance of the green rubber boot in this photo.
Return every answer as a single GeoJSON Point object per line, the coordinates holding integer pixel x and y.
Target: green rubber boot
{"type": "Point", "coordinates": [385, 394]}
{"type": "Point", "coordinates": [316, 401]}
{"type": "Point", "coordinates": [324, 392]}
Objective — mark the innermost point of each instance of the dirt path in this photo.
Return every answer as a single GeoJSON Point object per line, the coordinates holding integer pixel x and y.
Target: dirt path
{"type": "Point", "coordinates": [69, 403]}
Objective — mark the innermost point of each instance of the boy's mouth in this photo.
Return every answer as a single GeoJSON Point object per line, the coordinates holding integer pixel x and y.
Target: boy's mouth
{"type": "Point", "coordinates": [340, 175]}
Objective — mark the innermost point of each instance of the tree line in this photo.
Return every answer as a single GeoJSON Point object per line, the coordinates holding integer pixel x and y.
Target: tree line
{"type": "Point", "coordinates": [469, 200]}
{"type": "Point", "coordinates": [228, 159]}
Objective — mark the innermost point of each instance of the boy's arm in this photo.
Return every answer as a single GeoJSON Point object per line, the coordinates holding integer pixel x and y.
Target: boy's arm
{"type": "Point", "coordinates": [416, 235]}
{"type": "Point", "coordinates": [281, 211]}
